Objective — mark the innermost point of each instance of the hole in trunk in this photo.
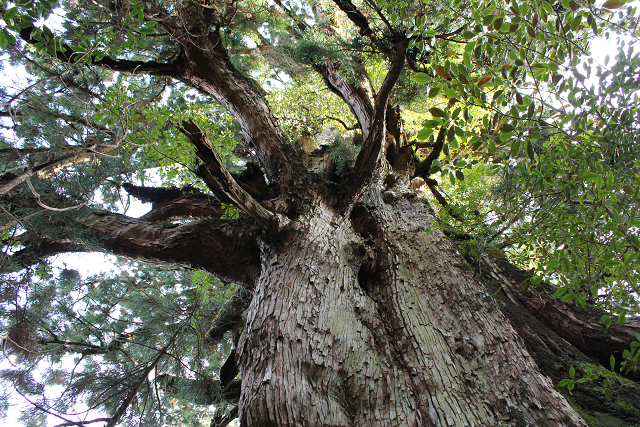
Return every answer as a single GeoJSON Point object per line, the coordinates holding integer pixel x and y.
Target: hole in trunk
{"type": "Point", "coordinates": [373, 277]}
{"type": "Point", "coordinates": [365, 275]}
{"type": "Point", "coordinates": [363, 221]}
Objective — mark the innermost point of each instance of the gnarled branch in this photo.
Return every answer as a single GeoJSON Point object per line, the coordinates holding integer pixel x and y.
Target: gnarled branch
{"type": "Point", "coordinates": [221, 176]}
{"type": "Point", "coordinates": [355, 16]}
{"type": "Point", "coordinates": [359, 97]}
{"type": "Point", "coordinates": [207, 67]}
{"type": "Point", "coordinates": [227, 249]}
{"type": "Point", "coordinates": [169, 203]}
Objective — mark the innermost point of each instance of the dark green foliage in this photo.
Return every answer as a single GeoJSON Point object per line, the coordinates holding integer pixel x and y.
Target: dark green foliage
{"type": "Point", "coordinates": [94, 337]}
{"type": "Point", "coordinates": [344, 154]}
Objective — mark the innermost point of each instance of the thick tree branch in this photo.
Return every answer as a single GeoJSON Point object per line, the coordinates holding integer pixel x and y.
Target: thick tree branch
{"type": "Point", "coordinates": [169, 203]}
{"type": "Point", "coordinates": [397, 65]}
{"type": "Point", "coordinates": [580, 326]}
{"type": "Point", "coordinates": [373, 144]}
{"type": "Point", "coordinates": [207, 67]}
{"type": "Point", "coordinates": [38, 248]}
{"type": "Point", "coordinates": [228, 249]}
{"type": "Point", "coordinates": [355, 16]}
{"type": "Point", "coordinates": [359, 97]}
{"type": "Point", "coordinates": [225, 182]}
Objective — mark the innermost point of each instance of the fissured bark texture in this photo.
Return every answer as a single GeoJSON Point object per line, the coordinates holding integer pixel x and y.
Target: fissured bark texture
{"type": "Point", "coordinates": [374, 319]}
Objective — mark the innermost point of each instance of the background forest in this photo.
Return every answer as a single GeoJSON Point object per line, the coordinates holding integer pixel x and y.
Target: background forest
{"type": "Point", "coordinates": [528, 147]}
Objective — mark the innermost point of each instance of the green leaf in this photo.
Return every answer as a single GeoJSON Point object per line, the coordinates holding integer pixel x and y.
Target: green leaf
{"type": "Point", "coordinates": [515, 147]}
{"type": "Point", "coordinates": [10, 14]}
{"type": "Point", "coordinates": [436, 112]}
{"type": "Point", "coordinates": [487, 20]}
{"type": "Point", "coordinates": [529, 148]}
{"type": "Point", "coordinates": [572, 373]}
{"type": "Point", "coordinates": [434, 91]}
{"type": "Point", "coordinates": [610, 181]}
{"type": "Point", "coordinates": [560, 292]}
{"type": "Point", "coordinates": [612, 363]}
{"type": "Point", "coordinates": [424, 133]}
{"type": "Point", "coordinates": [589, 176]}
{"type": "Point", "coordinates": [451, 134]}
{"type": "Point", "coordinates": [565, 382]}
{"type": "Point", "coordinates": [421, 78]}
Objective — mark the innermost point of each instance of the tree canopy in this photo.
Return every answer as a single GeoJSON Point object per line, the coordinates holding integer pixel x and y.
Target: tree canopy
{"type": "Point", "coordinates": [524, 142]}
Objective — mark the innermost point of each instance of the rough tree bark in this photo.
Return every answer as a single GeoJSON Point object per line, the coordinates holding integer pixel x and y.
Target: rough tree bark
{"type": "Point", "coordinates": [363, 313]}
{"type": "Point", "coordinates": [365, 319]}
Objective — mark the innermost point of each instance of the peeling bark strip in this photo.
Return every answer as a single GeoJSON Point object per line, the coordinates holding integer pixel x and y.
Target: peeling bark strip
{"type": "Point", "coordinates": [390, 328]}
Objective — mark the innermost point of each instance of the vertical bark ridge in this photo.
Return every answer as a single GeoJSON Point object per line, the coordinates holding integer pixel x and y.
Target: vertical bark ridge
{"type": "Point", "coordinates": [480, 361]}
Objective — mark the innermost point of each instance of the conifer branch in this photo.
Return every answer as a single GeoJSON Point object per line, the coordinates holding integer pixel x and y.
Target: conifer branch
{"type": "Point", "coordinates": [67, 55]}
{"type": "Point", "coordinates": [122, 409]}
{"type": "Point", "coordinates": [13, 177]}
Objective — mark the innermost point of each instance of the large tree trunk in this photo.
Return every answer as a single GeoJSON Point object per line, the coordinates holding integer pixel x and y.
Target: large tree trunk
{"type": "Point", "coordinates": [375, 319]}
